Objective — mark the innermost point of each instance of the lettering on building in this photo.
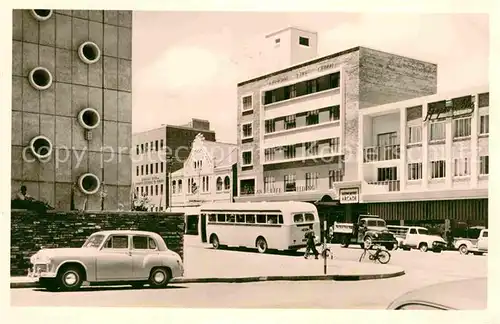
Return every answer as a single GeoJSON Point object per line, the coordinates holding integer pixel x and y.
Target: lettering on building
{"type": "Point", "coordinates": [150, 181]}
{"type": "Point", "coordinates": [349, 195]}
{"type": "Point", "coordinates": [278, 80]}
{"type": "Point", "coordinates": [326, 67]}
{"type": "Point", "coordinates": [302, 74]}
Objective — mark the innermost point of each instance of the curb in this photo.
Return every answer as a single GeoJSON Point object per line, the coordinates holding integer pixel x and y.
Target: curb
{"type": "Point", "coordinates": [15, 285]}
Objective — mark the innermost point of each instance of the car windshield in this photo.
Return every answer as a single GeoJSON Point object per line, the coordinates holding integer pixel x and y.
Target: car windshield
{"type": "Point", "coordinates": [94, 241]}
{"type": "Point", "coordinates": [375, 223]}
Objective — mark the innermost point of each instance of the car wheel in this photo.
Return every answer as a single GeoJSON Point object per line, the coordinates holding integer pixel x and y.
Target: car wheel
{"type": "Point", "coordinates": [463, 249]}
{"type": "Point", "coordinates": [70, 279]}
{"type": "Point", "coordinates": [48, 284]}
{"type": "Point", "coordinates": [423, 247]}
{"type": "Point", "coordinates": [261, 245]}
{"type": "Point", "coordinates": [436, 250]}
{"type": "Point", "coordinates": [390, 247]}
{"type": "Point", "coordinates": [215, 242]}
{"type": "Point", "coordinates": [159, 278]}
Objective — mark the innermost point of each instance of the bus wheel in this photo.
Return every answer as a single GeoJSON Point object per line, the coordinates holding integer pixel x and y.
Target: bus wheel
{"type": "Point", "coordinates": [261, 244]}
{"type": "Point", "coordinates": [215, 241]}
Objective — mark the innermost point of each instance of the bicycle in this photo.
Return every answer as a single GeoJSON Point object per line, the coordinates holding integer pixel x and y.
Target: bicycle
{"type": "Point", "coordinates": [380, 255]}
{"type": "Point", "coordinates": [325, 252]}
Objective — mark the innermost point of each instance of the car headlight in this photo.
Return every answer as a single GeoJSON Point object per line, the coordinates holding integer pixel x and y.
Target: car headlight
{"type": "Point", "coordinates": [375, 235]}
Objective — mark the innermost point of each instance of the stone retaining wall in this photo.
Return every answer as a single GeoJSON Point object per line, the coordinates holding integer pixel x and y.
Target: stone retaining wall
{"type": "Point", "coordinates": [30, 231]}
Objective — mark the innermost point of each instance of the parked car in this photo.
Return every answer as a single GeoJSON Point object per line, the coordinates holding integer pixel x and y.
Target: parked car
{"type": "Point", "coordinates": [108, 257]}
{"type": "Point", "coordinates": [417, 237]}
{"type": "Point", "coordinates": [465, 294]}
{"type": "Point", "coordinates": [476, 243]}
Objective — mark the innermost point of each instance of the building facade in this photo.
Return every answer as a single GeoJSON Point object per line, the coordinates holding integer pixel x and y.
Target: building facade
{"type": "Point", "coordinates": [71, 107]}
{"type": "Point", "coordinates": [207, 176]}
{"type": "Point", "coordinates": [159, 152]}
{"type": "Point", "coordinates": [298, 128]}
{"type": "Point", "coordinates": [427, 159]}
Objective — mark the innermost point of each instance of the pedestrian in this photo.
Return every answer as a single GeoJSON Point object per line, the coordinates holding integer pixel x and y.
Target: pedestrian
{"type": "Point", "coordinates": [23, 194]}
{"type": "Point", "coordinates": [311, 244]}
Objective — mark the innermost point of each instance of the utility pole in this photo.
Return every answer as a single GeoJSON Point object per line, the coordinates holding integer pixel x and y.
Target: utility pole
{"type": "Point", "coordinates": [168, 160]}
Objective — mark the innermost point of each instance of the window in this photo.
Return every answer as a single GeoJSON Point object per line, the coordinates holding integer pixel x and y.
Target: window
{"type": "Point", "coordinates": [219, 184]}
{"type": "Point", "coordinates": [212, 218]}
{"type": "Point", "coordinates": [415, 171]}
{"type": "Point", "coordinates": [156, 190]}
{"type": "Point", "coordinates": [437, 131]}
{"type": "Point", "coordinates": [174, 185]}
{"type": "Point", "coordinates": [137, 170]}
{"type": "Point", "coordinates": [143, 149]}
{"type": "Point", "coordinates": [462, 127]}
{"type": "Point", "coordinates": [247, 187]}
{"type": "Point", "coordinates": [483, 100]}
{"type": "Point", "coordinates": [272, 219]}
{"type": "Point", "coordinates": [142, 191]}
{"type": "Point", "coordinates": [227, 183]}
{"type": "Point", "coordinates": [312, 117]}
{"type": "Point", "coordinates": [269, 184]}
{"type": "Point", "coordinates": [298, 218]}
{"type": "Point", "coordinates": [146, 147]}
{"type": "Point", "coordinates": [179, 186]}
{"type": "Point", "coordinates": [247, 130]}
{"type": "Point", "coordinates": [190, 185]}
{"type": "Point", "coordinates": [143, 243]}
{"type": "Point", "coordinates": [161, 167]}
{"type": "Point", "coordinates": [484, 124]}
{"type": "Point", "coordinates": [117, 242]}
{"type": "Point", "coordinates": [240, 218]}
{"type": "Point", "coordinates": [308, 217]}
{"type": "Point", "coordinates": [156, 167]}
{"type": "Point", "coordinates": [270, 126]}
{"type": "Point", "coordinates": [207, 184]}
{"type": "Point", "coordinates": [311, 86]}
{"type": "Point", "coordinates": [304, 41]}
{"type": "Point", "coordinates": [387, 174]}
{"type": "Point", "coordinates": [161, 188]}
{"type": "Point", "coordinates": [247, 158]}
{"type": "Point", "coordinates": [137, 149]}
{"type": "Point", "coordinates": [269, 154]}
{"type": "Point", "coordinates": [414, 134]}
{"type": "Point", "coordinates": [312, 148]}
{"type": "Point", "coordinates": [438, 169]}
{"type": "Point", "coordinates": [312, 180]}
{"type": "Point", "coordinates": [461, 167]}
{"type": "Point", "coordinates": [413, 231]}
{"type": "Point", "coordinates": [334, 176]}
{"type": "Point", "coordinates": [156, 145]}
{"type": "Point", "coordinates": [290, 122]}
{"type": "Point", "coordinates": [289, 151]}
{"type": "Point", "coordinates": [261, 219]}
{"type": "Point", "coordinates": [290, 184]}
{"type": "Point", "coordinates": [231, 218]}
{"type": "Point", "coordinates": [161, 144]}
{"type": "Point", "coordinates": [247, 103]}
{"type": "Point", "coordinates": [277, 41]}
{"type": "Point", "coordinates": [334, 113]}
{"type": "Point", "coordinates": [221, 218]}
{"type": "Point", "coordinates": [250, 219]}
{"type": "Point", "coordinates": [484, 164]}
{"type": "Point", "coordinates": [147, 169]}
{"type": "Point", "coordinates": [335, 145]}
{"type": "Point", "coordinates": [146, 188]}
{"type": "Point", "coordinates": [142, 169]}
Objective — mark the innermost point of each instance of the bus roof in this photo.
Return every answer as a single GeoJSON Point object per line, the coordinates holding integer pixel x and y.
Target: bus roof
{"type": "Point", "coordinates": [281, 206]}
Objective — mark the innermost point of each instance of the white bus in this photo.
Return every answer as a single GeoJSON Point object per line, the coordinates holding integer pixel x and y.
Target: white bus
{"type": "Point", "coordinates": [261, 225]}
{"type": "Point", "coordinates": [191, 218]}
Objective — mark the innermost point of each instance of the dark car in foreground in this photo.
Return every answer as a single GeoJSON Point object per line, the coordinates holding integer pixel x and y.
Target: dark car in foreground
{"type": "Point", "coordinates": [466, 294]}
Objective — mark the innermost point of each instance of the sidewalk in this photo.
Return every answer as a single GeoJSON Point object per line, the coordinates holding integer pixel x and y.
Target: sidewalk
{"type": "Point", "coordinates": [207, 265]}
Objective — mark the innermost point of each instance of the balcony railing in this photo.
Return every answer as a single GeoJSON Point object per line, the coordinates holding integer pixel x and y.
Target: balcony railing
{"type": "Point", "coordinates": [391, 185]}
{"type": "Point", "coordinates": [381, 153]}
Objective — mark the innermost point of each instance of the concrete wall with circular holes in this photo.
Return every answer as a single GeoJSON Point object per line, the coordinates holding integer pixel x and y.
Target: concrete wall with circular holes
{"type": "Point", "coordinates": [65, 62]}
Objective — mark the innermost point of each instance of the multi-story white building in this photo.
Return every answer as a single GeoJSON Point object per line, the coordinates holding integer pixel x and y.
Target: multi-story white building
{"type": "Point", "coordinates": [427, 158]}
{"type": "Point", "coordinates": [332, 130]}
{"type": "Point", "coordinates": [207, 175]}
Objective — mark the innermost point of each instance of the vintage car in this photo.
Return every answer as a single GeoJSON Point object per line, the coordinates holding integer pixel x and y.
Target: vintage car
{"type": "Point", "coordinates": [465, 294]}
{"type": "Point", "coordinates": [108, 257]}
{"type": "Point", "coordinates": [417, 237]}
{"type": "Point", "coordinates": [476, 241]}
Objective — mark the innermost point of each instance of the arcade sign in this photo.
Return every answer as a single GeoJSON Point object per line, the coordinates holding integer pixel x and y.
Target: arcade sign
{"type": "Point", "coordinates": [349, 195]}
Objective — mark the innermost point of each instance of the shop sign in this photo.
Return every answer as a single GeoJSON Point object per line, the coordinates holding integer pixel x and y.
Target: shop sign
{"type": "Point", "coordinates": [349, 195]}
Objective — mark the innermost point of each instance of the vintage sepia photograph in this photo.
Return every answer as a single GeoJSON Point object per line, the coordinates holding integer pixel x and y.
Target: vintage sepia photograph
{"type": "Point", "coordinates": [249, 159]}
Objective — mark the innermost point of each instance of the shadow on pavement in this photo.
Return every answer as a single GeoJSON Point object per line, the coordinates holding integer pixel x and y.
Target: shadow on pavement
{"type": "Point", "coordinates": [112, 288]}
{"type": "Point", "coordinates": [271, 252]}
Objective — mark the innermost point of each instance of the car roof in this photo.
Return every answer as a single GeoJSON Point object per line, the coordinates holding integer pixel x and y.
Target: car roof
{"type": "Point", "coordinates": [465, 294]}
{"type": "Point", "coordinates": [126, 232]}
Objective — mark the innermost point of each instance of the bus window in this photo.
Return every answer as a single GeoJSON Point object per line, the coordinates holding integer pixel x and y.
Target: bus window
{"type": "Point", "coordinates": [211, 218]}
{"type": "Point", "coordinates": [298, 218]}
{"type": "Point", "coordinates": [309, 217]}
{"type": "Point", "coordinates": [272, 219]}
{"type": "Point", "coordinates": [240, 218]}
{"type": "Point", "coordinates": [250, 219]}
{"type": "Point", "coordinates": [280, 219]}
{"type": "Point", "coordinates": [221, 218]}
{"type": "Point", "coordinates": [230, 218]}
{"type": "Point", "coordinates": [261, 219]}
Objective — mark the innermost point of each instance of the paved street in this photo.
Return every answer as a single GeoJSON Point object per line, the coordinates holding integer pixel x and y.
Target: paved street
{"type": "Point", "coordinates": [421, 269]}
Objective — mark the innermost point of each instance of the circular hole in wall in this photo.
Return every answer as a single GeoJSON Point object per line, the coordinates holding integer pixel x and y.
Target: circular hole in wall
{"type": "Point", "coordinates": [40, 78]}
{"type": "Point", "coordinates": [89, 118]}
{"type": "Point", "coordinates": [89, 52]}
{"type": "Point", "coordinates": [89, 183]}
{"type": "Point", "coordinates": [41, 147]}
{"type": "Point", "coordinates": [41, 14]}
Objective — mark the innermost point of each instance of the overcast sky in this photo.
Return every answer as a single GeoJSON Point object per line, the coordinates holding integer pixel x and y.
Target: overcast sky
{"type": "Point", "coordinates": [187, 64]}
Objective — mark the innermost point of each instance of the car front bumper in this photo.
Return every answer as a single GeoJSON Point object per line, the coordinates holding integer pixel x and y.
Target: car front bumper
{"type": "Point", "coordinates": [41, 270]}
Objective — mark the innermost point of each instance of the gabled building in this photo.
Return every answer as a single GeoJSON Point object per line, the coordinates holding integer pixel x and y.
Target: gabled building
{"type": "Point", "coordinates": [208, 174]}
